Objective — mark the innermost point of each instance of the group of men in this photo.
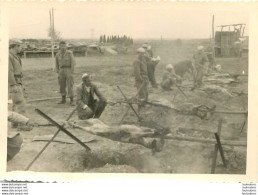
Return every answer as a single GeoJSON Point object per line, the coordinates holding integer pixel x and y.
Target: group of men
{"type": "Point", "coordinates": [87, 106]}
{"type": "Point", "coordinates": [64, 65]}
{"type": "Point", "coordinates": [144, 71]}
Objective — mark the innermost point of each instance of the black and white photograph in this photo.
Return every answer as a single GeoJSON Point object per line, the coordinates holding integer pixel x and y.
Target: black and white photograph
{"type": "Point", "coordinates": [125, 88]}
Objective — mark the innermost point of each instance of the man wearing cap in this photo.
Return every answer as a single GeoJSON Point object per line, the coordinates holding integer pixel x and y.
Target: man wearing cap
{"type": "Point", "coordinates": [88, 107]}
{"type": "Point", "coordinates": [151, 64]}
{"type": "Point", "coordinates": [169, 77]}
{"type": "Point", "coordinates": [141, 75]}
{"type": "Point", "coordinates": [200, 61]}
{"type": "Point", "coordinates": [65, 68]}
{"type": "Point", "coordinates": [16, 89]}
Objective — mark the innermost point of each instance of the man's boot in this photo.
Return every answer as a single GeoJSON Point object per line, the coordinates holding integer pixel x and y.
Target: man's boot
{"type": "Point", "coordinates": [63, 101]}
{"type": "Point", "coordinates": [72, 101]}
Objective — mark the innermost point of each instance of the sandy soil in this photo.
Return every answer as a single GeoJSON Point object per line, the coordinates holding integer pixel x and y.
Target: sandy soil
{"type": "Point", "coordinates": [109, 156]}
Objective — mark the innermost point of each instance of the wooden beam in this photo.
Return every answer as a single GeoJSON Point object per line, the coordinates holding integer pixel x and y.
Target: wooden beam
{"type": "Point", "coordinates": [230, 25]}
{"type": "Point", "coordinates": [43, 99]}
{"type": "Point", "coordinates": [179, 138]}
{"type": "Point", "coordinates": [201, 140]}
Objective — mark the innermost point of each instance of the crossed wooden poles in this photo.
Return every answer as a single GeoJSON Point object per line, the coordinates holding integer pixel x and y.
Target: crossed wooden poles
{"type": "Point", "coordinates": [60, 128]}
{"type": "Point", "coordinates": [218, 145]}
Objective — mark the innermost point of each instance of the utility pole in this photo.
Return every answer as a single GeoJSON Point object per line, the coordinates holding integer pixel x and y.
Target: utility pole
{"type": "Point", "coordinates": [52, 29]}
{"type": "Point", "coordinates": [213, 40]}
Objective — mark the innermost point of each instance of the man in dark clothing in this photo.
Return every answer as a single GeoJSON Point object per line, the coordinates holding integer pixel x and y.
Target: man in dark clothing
{"type": "Point", "coordinates": [88, 107]}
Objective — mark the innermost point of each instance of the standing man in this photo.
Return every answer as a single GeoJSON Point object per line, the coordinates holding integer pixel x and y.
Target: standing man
{"type": "Point", "coordinates": [200, 62]}
{"type": "Point", "coordinates": [16, 89]}
{"type": "Point", "coordinates": [65, 64]}
{"type": "Point", "coordinates": [151, 64]}
{"type": "Point", "coordinates": [141, 75]}
{"type": "Point", "coordinates": [88, 107]}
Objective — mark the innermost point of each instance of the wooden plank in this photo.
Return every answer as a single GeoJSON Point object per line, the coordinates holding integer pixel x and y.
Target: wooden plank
{"type": "Point", "coordinates": [185, 138]}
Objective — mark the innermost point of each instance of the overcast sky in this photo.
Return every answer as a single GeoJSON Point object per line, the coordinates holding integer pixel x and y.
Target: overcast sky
{"type": "Point", "coordinates": [133, 19]}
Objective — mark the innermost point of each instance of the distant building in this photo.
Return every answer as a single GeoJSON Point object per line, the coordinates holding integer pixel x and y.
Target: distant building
{"type": "Point", "coordinates": [229, 40]}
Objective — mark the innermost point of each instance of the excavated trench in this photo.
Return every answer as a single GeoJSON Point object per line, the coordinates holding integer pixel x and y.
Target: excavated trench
{"type": "Point", "coordinates": [177, 156]}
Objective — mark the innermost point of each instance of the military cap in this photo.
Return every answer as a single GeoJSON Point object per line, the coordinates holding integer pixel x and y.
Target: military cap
{"type": "Point", "coordinates": [85, 75]}
{"type": "Point", "coordinates": [169, 66]}
{"type": "Point", "coordinates": [140, 50]}
{"type": "Point", "coordinates": [145, 45]}
{"type": "Point", "coordinates": [13, 43]}
{"type": "Point", "coordinates": [62, 42]}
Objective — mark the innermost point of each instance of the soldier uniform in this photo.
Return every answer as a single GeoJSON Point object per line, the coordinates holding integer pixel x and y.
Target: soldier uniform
{"type": "Point", "coordinates": [65, 64]}
{"type": "Point", "coordinates": [141, 76]}
{"type": "Point", "coordinates": [151, 65]}
{"type": "Point", "coordinates": [85, 99]}
{"type": "Point", "coordinates": [200, 60]}
{"type": "Point", "coordinates": [16, 89]}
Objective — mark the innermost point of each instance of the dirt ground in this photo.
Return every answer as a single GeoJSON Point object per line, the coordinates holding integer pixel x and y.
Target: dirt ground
{"type": "Point", "coordinates": [109, 156]}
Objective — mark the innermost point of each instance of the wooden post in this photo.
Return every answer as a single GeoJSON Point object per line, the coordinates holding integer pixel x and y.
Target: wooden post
{"type": "Point", "coordinates": [221, 44]}
{"type": "Point", "coordinates": [52, 29]}
{"type": "Point", "coordinates": [214, 161]}
{"type": "Point", "coordinates": [220, 149]}
{"type": "Point", "coordinates": [213, 41]}
{"type": "Point", "coordinates": [245, 123]}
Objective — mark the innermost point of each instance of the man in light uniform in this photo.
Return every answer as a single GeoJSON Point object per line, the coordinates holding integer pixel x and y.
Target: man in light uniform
{"type": "Point", "coordinates": [151, 64]}
{"type": "Point", "coordinates": [88, 107]}
{"type": "Point", "coordinates": [169, 78]}
{"type": "Point", "coordinates": [200, 62]}
{"type": "Point", "coordinates": [65, 64]}
{"type": "Point", "coordinates": [141, 75]}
